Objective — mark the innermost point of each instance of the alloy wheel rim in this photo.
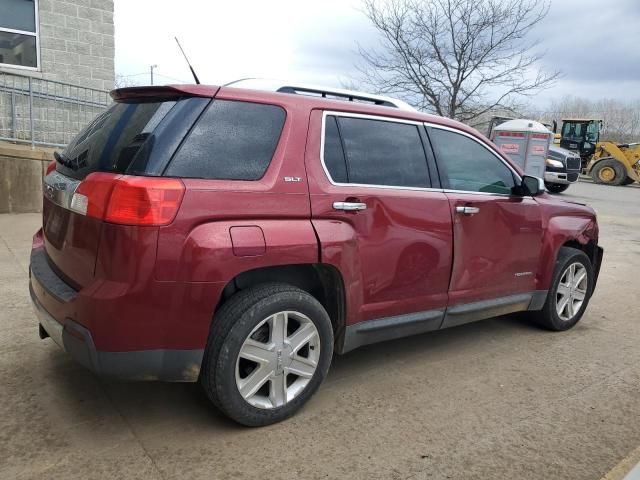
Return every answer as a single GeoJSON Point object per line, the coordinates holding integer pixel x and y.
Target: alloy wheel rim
{"type": "Point", "coordinates": [277, 360]}
{"type": "Point", "coordinates": [571, 291]}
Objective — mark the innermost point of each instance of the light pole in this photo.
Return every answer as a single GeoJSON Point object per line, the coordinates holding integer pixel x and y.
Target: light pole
{"type": "Point", "coordinates": [152, 67]}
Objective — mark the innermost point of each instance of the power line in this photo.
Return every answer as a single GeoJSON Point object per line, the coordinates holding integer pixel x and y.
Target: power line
{"type": "Point", "coordinates": [134, 74]}
{"type": "Point", "coordinates": [172, 78]}
{"type": "Point", "coordinates": [155, 73]}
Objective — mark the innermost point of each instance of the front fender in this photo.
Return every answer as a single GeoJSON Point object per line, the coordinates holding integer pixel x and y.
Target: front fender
{"type": "Point", "coordinates": [559, 231]}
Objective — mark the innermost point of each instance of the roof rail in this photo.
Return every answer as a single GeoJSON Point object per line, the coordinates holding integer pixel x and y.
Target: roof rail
{"type": "Point", "coordinates": [318, 91]}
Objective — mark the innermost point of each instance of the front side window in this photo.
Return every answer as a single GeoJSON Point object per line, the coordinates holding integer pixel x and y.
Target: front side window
{"type": "Point", "coordinates": [574, 132]}
{"type": "Point", "coordinates": [232, 140]}
{"type": "Point", "coordinates": [466, 165]}
{"type": "Point", "coordinates": [18, 33]}
{"type": "Point", "coordinates": [374, 152]}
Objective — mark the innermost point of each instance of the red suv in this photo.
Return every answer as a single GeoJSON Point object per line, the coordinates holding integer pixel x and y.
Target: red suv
{"type": "Point", "coordinates": [240, 237]}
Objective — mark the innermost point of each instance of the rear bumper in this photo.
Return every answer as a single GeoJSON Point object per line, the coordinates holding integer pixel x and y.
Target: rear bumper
{"type": "Point", "coordinates": [159, 364]}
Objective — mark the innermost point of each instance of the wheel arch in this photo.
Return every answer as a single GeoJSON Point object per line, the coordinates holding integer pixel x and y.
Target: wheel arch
{"type": "Point", "coordinates": [576, 232]}
{"type": "Point", "coordinates": [322, 281]}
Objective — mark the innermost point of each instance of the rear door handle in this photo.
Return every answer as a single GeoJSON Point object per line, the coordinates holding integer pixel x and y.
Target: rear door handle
{"type": "Point", "coordinates": [467, 210]}
{"type": "Point", "coordinates": [349, 206]}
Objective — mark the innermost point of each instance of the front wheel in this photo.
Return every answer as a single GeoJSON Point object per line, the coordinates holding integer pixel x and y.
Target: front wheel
{"type": "Point", "coordinates": [570, 291]}
{"type": "Point", "coordinates": [269, 350]}
{"type": "Point", "coordinates": [609, 172]}
{"type": "Point", "coordinates": [556, 187]}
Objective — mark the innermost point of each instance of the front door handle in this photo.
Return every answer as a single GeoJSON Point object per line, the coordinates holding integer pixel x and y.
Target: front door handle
{"type": "Point", "coordinates": [467, 210]}
{"type": "Point", "coordinates": [349, 206]}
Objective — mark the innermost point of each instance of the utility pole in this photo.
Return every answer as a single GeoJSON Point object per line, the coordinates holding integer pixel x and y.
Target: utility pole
{"type": "Point", "coordinates": [152, 67]}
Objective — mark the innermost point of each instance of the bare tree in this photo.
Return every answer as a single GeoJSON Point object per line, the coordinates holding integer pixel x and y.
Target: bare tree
{"type": "Point", "coordinates": [122, 81]}
{"type": "Point", "coordinates": [455, 58]}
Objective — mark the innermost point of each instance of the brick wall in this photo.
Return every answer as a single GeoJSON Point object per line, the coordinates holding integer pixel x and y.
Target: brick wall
{"type": "Point", "coordinates": [76, 47]}
{"type": "Point", "coordinates": [77, 42]}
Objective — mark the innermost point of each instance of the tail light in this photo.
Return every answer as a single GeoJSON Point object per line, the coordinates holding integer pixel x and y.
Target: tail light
{"type": "Point", "coordinates": [51, 167]}
{"type": "Point", "coordinates": [128, 200]}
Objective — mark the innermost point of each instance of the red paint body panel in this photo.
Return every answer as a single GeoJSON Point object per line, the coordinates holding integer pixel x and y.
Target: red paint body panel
{"type": "Point", "coordinates": [496, 251]}
{"type": "Point", "coordinates": [146, 288]}
{"type": "Point", "coordinates": [247, 241]}
{"type": "Point", "coordinates": [125, 308]}
{"type": "Point", "coordinates": [395, 256]}
{"type": "Point", "coordinates": [71, 241]}
{"type": "Point", "coordinates": [207, 253]}
{"type": "Point", "coordinates": [562, 222]}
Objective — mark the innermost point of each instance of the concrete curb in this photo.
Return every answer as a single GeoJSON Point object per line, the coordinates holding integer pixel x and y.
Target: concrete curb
{"type": "Point", "coordinates": [627, 469]}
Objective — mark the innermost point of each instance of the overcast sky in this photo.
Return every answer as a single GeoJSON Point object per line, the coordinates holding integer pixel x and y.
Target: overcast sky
{"type": "Point", "coordinates": [595, 43]}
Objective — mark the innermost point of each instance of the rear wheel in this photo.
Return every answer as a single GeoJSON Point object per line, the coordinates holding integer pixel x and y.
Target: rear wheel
{"type": "Point", "coordinates": [556, 187]}
{"type": "Point", "coordinates": [609, 172]}
{"type": "Point", "coordinates": [570, 291]}
{"type": "Point", "coordinates": [269, 349]}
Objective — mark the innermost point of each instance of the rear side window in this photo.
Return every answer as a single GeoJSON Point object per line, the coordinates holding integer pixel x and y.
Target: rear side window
{"type": "Point", "coordinates": [111, 141]}
{"type": "Point", "coordinates": [465, 164]}
{"type": "Point", "coordinates": [375, 152]}
{"type": "Point", "coordinates": [231, 141]}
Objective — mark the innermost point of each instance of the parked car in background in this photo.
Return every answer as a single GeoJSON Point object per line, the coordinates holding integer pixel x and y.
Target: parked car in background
{"type": "Point", "coordinates": [240, 237]}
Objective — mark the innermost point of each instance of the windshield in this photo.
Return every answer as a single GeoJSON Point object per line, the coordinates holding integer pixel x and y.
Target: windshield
{"type": "Point", "coordinates": [581, 131]}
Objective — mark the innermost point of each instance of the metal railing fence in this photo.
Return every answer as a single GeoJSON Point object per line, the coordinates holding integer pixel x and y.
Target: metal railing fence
{"type": "Point", "coordinates": [46, 112]}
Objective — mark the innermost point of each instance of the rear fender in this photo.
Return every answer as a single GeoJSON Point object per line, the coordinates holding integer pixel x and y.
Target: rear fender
{"type": "Point", "coordinates": [219, 251]}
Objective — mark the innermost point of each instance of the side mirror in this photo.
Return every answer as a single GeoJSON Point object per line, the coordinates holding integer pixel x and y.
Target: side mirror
{"type": "Point", "coordinates": [531, 185]}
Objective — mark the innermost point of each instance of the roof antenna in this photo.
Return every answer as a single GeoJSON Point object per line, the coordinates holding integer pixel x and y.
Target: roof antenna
{"type": "Point", "coordinates": [195, 77]}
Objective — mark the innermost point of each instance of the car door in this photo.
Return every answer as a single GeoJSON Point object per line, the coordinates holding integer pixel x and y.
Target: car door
{"type": "Point", "coordinates": [378, 218]}
{"type": "Point", "coordinates": [497, 236]}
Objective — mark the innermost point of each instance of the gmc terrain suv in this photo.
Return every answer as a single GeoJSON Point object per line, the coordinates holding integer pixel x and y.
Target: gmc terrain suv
{"type": "Point", "coordinates": [240, 237]}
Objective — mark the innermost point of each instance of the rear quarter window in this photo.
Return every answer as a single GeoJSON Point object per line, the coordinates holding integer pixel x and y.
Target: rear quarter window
{"type": "Point", "coordinates": [232, 140]}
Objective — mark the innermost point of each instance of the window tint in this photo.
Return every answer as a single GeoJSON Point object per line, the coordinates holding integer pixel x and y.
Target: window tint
{"type": "Point", "coordinates": [333, 153]}
{"type": "Point", "coordinates": [231, 141]}
{"type": "Point", "coordinates": [111, 141]}
{"type": "Point", "coordinates": [464, 164]}
{"type": "Point", "coordinates": [382, 153]}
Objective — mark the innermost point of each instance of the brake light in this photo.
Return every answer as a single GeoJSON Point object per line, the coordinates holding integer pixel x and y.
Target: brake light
{"type": "Point", "coordinates": [92, 195]}
{"type": "Point", "coordinates": [145, 201]}
{"type": "Point", "coordinates": [128, 200]}
{"type": "Point", "coordinates": [51, 167]}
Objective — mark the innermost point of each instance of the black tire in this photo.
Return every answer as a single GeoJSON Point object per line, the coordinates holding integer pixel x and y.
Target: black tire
{"type": "Point", "coordinates": [628, 181]}
{"type": "Point", "coordinates": [608, 165]}
{"type": "Point", "coordinates": [556, 187]}
{"type": "Point", "coordinates": [232, 324]}
{"type": "Point", "coordinates": [548, 317]}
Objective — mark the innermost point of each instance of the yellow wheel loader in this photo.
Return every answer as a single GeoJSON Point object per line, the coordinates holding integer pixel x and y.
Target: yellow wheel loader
{"type": "Point", "coordinates": [606, 162]}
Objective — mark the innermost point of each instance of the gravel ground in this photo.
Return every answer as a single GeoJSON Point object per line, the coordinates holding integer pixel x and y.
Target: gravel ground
{"type": "Point", "coordinates": [493, 399]}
